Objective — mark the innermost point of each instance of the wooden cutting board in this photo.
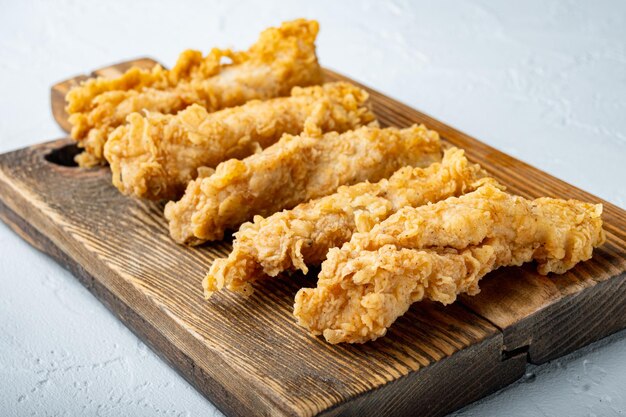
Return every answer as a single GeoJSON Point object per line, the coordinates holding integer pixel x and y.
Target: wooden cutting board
{"type": "Point", "coordinates": [248, 356]}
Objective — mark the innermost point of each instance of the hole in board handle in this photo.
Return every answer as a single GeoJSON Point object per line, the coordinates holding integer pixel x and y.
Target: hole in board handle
{"type": "Point", "coordinates": [64, 155]}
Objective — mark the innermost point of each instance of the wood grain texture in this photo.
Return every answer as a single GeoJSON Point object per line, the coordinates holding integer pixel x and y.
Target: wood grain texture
{"type": "Point", "coordinates": [250, 358]}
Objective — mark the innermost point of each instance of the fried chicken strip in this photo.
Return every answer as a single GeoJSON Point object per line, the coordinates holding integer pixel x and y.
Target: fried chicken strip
{"type": "Point", "coordinates": [293, 239]}
{"type": "Point", "coordinates": [282, 58]}
{"type": "Point", "coordinates": [293, 170]}
{"type": "Point", "coordinates": [156, 155]}
{"type": "Point", "coordinates": [439, 251]}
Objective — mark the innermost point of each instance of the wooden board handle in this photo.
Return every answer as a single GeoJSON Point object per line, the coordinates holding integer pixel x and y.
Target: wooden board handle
{"type": "Point", "coordinates": [59, 90]}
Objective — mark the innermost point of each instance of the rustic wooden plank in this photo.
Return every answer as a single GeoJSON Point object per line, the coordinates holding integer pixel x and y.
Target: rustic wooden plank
{"type": "Point", "coordinates": [247, 356]}
{"type": "Point", "coordinates": [59, 90]}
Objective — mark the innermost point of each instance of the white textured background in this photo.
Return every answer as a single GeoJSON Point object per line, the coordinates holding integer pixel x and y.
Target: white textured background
{"type": "Point", "coordinates": [544, 81]}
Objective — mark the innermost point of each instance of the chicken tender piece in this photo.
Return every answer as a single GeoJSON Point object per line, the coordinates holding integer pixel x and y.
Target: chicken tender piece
{"type": "Point", "coordinates": [156, 156]}
{"type": "Point", "coordinates": [293, 239]}
{"type": "Point", "coordinates": [295, 169]}
{"type": "Point", "coordinates": [439, 251]}
{"type": "Point", "coordinates": [282, 58]}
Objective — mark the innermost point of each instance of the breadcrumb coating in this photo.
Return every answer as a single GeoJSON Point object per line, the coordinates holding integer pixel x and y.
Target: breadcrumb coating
{"type": "Point", "coordinates": [155, 156]}
{"type": "Point", "coordinates": [439, 251]}
{"type": "Point", "coordinates": [295, 169]}
{"type": "Point", "coordinates": [282, 58]}
{"type": "Point", "coordinates": [293, 239]}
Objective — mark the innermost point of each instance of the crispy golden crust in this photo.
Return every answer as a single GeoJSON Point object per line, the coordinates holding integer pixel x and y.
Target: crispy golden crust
{"type": "Point", "coordinates": [438, 251]}
{"type": "Point", "coordinates": [293, 239]}
{"type": "Point", "coordinates": [156, 155]}
{"type": "Point", "coordinates": [282, 58]}
{"type": "Point", "coordinates": [295, 169]}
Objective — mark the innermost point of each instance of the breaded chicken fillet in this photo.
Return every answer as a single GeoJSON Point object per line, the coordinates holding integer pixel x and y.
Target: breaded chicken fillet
{"type": "Point", "coordinates": [293, 239]}
{"type": "Point", "coordinates": [293, 170]}
{"type": "Point", "coordinates": [439, 251]}
{"type": "Point", "coordinates": [156, 155]}
{"type": "Point", "coordinates": [282, 58]}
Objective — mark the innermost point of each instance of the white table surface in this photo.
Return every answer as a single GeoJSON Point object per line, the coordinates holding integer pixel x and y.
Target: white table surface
{"type": "Point", "coordinates": [544, 81]}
